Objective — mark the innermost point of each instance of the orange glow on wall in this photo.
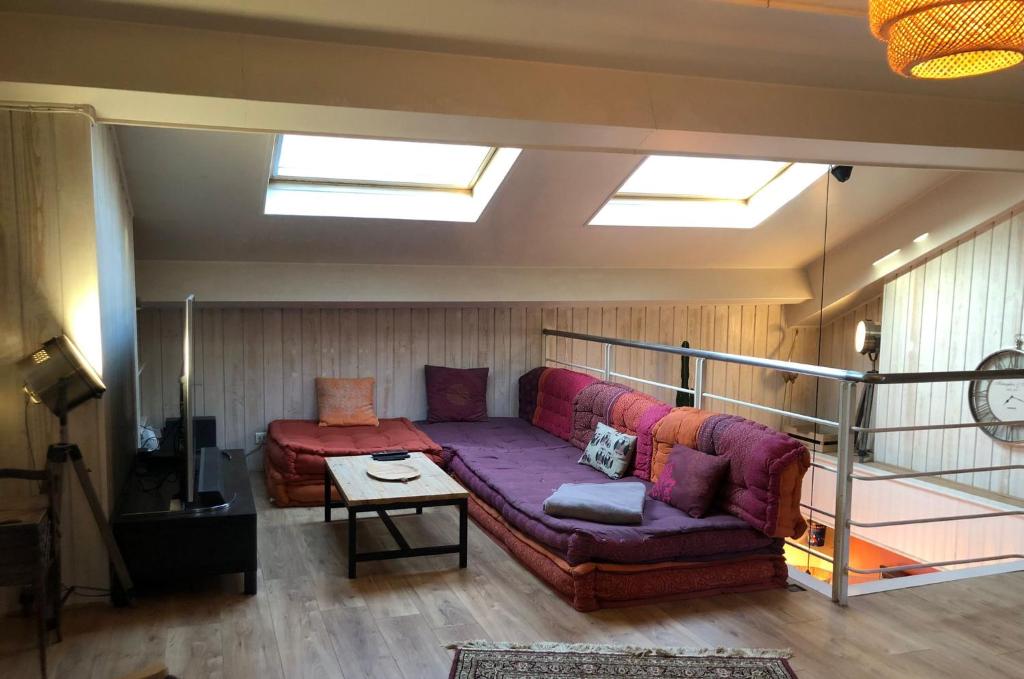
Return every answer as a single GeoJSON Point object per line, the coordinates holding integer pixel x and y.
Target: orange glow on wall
{"type": "Point", "coordinates": [942, 39]}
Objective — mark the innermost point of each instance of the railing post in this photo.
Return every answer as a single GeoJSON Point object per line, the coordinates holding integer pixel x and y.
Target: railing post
{"type": "Point", "coordinates": [844, 492]}
{"type": "Point", "coordinates": [698, 382]}
{"type": "Point", "coordinates": [607, 362]}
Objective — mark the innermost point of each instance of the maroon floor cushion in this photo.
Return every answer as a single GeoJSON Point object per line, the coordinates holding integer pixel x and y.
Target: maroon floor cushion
{"type": "Point", "coordinates": [515, 480]}
{"type": "Point", "coordinates": [557, 390]}
{"type": "Point", "coordinates": [592, 407]}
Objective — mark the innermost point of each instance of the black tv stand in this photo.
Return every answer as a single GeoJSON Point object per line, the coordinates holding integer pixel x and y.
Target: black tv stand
{"type": "Point", "coordinates": [162, 541]}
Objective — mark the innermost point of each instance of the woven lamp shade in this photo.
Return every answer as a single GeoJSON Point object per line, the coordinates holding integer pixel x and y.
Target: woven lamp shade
{"type": "Point", "coordinates": [949, 39]}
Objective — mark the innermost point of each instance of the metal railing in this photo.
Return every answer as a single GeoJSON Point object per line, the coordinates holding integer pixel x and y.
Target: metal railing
{"type": "Point", "coordinates": [847, 430]}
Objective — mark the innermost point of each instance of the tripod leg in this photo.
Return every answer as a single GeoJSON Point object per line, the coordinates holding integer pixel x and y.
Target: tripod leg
{"type": "Point", "coordinates": [101, 520]}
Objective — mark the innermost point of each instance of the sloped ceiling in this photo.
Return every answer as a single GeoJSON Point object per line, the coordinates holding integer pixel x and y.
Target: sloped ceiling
{"type": "Point", "coordinates": [737, 40]}
{"type": "Point", "coordinates": [198, 195]}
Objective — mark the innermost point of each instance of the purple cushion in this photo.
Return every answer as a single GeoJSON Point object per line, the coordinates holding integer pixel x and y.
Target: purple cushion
{"type": "Point", "coordinates": [528, 385]}
{"type": "Point", "coordinates": [456, 394]}
{"type": "Point", "coordinates": [591, 408]}
{"type": "Point", "coordinates": [690, 480]}
{"type": "Point", "coordinates": [516, 478]}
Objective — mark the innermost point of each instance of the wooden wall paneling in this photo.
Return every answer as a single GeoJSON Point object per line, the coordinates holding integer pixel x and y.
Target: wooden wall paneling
{"type": "Point", "coordinates": [993, 332]}
{"type": "Point", "coordinates": [919, 453]}
{"type": "Point", "coordinates": [518, 362]}
{"type": "Point", "coordinates": [213, 367]}
{"type": "Point", "coordinates": [1013, 325]}
{"type": "Point", "coordinates": [549, 319]}
{"type": "Point", "coordinates": [291, 369]}
{"type": "Point", "coordinates": [746, 347]}
{"type": "Point", "coordinates": [402, 399]}
{"type": "Point", "coordinates": [366, 343]}
{"type": "Point", "coordinates": [254, 381]}
{"type": "Point", "coordinates": [563, 346]}
{"type": "Point", "coordinates": [668, 364]}
{"type": "Point", "coordinates": [234, 379]}
{"type": "Point", "coordinates": [651, 360]}
{"type": "Point", "coordinates": [884, 394]}
{"type": "Point", "coordinates": [348, 338]}
{"type": "Point", "coordinates": [436, 335]}
{"type": "Point", "coordinates": [502, 358]}
{"type": "Point", "coordinates": [759, 376]}
{"type": "Point", "coordinates": [273, 364]}
{"type": "Point", "coordinates": [453, 337]}
{"type": "Point", "coordinates": [959, 330]}
{"type": "Point", "coordinates": [470, 337]}
{"type": "Point", "coordinates": [706, 341]}
{"type": "Point", "coordinates": [719, 370]}
{"type": "Point", "coordinates": [419, 347]}
{"type": "Point", "coordinates": [534, 338]}
{"type": "Point", "coordinates": [578, 348]}
{"type": "Point", "coordinates": [975, 351]}
{"type": "Point", "coordinates": [932, 442]}
{"type": "Point", "coordinates": [621, 355]}
{"type": "Point", "coordinates": [310, 359]}
{"type": "Point", "coordinates": [330, 329]}
{"type": "Point", "coordinates": [386, 362]}
{"type": "Point", "coordinates": [485, 355]}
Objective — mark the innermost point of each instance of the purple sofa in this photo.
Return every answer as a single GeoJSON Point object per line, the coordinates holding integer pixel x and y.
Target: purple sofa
{"type": "Point", "coordinates": [511, 466]}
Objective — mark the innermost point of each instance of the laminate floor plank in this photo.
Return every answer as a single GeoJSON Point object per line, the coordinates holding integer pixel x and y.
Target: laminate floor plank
{"type": "Point", "coordinates": [396, 619]}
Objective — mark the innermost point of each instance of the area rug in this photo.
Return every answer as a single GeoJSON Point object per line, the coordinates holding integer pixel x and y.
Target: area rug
{"type": "Point", "coordinates": [490, 660]}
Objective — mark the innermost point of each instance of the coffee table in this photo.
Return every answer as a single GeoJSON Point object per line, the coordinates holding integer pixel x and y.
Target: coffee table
{"type": "Point", "coordinates": [362, 493]}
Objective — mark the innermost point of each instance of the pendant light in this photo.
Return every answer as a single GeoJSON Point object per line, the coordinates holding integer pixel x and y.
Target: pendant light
{"type": "Point", "coordinates": [942, 39]}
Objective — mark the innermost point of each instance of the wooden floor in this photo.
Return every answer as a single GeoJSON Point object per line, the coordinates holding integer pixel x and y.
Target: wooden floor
{"type": "Point", "coordinates": [309, 620]}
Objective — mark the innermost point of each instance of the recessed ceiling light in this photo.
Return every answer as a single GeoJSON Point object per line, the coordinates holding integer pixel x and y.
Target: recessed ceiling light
{"type": "Point", "coordinates": [888, 256]}
{"type": "Point", "coordinates": [922, 238]}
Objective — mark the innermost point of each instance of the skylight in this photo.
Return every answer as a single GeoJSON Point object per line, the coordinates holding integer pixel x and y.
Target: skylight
{"type": "Point", "coordinates": [706, 178]}
{"type": "Point", "coordinates": [383, 179]}
{"type": "Point", "coordinates": [684, 191]}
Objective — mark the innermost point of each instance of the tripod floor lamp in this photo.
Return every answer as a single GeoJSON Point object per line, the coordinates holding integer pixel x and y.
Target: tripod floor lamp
{"type": "Point", "coordinates": [59, 377]}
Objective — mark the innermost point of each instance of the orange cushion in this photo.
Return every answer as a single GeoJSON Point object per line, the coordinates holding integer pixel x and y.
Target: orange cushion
{"type": "Point", "coordinates": [345, 402]}
{"type": "Point", "coordinates": [679, 426]}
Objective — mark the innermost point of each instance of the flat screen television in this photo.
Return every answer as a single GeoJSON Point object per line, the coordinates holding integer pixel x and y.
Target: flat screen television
{"type": "Point", "coordinates": [188, 404]}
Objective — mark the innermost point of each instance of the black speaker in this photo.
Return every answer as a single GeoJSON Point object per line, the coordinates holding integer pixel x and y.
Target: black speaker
{"type": "Point", "coordinates": [204, 430]}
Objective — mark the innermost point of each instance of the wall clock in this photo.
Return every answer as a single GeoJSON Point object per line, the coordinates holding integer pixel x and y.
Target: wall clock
{"type": "Point", "coordinates": [999, 401]}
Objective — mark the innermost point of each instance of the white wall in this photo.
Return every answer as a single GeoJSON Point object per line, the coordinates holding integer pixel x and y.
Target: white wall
{"type": "Point", "coordinates": [66, 242]}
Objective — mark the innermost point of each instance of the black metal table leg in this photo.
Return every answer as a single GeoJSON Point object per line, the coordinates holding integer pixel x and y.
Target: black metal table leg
{"type": "Point", "coordinates": [352, 542]}
{"type": "Point", "coordinates": [463, 534]}
{"type": "Point", "coordinates": [327, 493]}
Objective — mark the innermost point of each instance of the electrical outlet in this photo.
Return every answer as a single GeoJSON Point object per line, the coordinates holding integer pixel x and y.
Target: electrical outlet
{"type": "Point", "coordinates": [259, 437]}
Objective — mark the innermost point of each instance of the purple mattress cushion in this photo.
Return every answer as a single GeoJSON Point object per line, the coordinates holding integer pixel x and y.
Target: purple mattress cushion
{"type": "Point", "coordinates": [557, 390]}
{"type": "Point", "coordinates": [496, 462]}
{"type": "Point", "coordinates": [763, 483]}
{"type": "Point", "coordinates": [591, 408]}
{"type": "Point", "coordinates": [456, 394]}
{"type": "Point", "coordinates": [528, 385]}
{"type": "Point", "coordinates": [690, 480]}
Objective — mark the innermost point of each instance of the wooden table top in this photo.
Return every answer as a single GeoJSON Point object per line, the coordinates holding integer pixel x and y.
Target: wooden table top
{"type": "Point", "coordinates": [359, 488]}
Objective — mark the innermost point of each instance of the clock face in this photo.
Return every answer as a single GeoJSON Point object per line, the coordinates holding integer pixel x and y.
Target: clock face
{"type": "Point", "coordinates": [998, 401]}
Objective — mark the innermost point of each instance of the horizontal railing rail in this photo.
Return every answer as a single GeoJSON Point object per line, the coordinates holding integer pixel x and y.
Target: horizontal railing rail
{"type": "Point", "coordinates": [800, 368]}
{"type": "Point", "coordinates": [844, 424]}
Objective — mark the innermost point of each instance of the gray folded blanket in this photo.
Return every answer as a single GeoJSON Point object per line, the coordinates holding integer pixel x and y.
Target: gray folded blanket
{"type": "Point", "coordinates": [619, 503]}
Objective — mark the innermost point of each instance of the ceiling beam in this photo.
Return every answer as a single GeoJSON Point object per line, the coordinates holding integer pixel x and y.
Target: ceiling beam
{"type": "Point", "coordinates": [186, 77]}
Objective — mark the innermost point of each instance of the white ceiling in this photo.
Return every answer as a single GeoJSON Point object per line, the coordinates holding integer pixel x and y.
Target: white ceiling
{"type": "Point", "coordinates": [713, 38]}
{"type": "Point", "coordinates": [198, 195]}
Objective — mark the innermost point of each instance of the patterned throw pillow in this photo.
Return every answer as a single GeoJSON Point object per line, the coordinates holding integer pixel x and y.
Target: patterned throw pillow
{"type": "Point", "coordinates": [345, 402]}
{"type": "Point", "coordinates": [609, 451]}
{"type": "Point", "coordinates": [690, 480]}
{"type": "Point", "coordinates": [456, 394]}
